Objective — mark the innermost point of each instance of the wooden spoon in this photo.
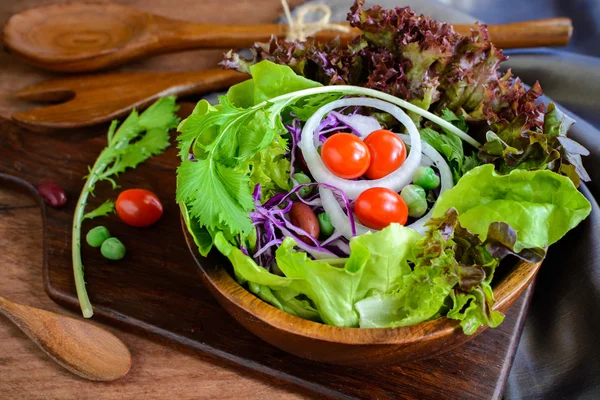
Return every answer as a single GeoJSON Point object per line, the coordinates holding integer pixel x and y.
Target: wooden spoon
{"type": "Point", "coordinates": [75, 37]}
{"type": "Point", "coordinates": [82, 348]}
{"type": "Point", "coordinates": [99, 98]}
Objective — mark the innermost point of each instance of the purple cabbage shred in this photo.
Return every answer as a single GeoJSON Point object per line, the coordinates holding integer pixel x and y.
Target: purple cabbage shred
{"type": "Point", "coordinates": [273, 225]}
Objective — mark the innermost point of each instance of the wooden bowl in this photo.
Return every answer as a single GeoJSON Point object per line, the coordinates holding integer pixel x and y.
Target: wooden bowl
{"type": "Point", "coordinates": [344, 346]}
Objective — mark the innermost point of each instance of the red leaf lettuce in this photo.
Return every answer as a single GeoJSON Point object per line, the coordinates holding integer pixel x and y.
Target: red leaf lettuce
{"type": "Point", "coordinates": [428, 63]}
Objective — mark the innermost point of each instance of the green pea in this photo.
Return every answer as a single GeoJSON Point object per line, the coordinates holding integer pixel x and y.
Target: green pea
{"type": "Point", "coordinates": [426, 178]}
{"type": "Point", "coordinates": [113, 249]}
{"type": "Point", "coordinates": [325, 225]}
{"type": "Point", "coordinates": [96, 236]}
{"type": "Point", "coordinates": [303, 179]}
{"type": "Point", "coordinates": [415, 199]}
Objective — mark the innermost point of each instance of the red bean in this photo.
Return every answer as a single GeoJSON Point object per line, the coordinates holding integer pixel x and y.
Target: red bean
{"type": "Point", "coordinates": [304, 217]}
{"type": "Point", "coordinates": [52, 194]}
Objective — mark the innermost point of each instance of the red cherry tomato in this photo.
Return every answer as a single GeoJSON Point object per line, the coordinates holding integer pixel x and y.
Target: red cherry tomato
{"type": "Point", "coordinates": [345, 155]}
{"type": "Point", "coordinates": [378, 207]}
{"type": "Point", "coordinates": [388, 152]}
{"type": "Point", "coordinates": [138, 207]}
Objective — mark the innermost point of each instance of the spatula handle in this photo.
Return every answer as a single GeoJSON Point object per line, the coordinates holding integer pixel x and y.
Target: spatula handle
{"type": "Point", "coordinates": [184, 35]}
{"type": "Point", "coordinates": [103, 97]}
{"type": "Point", "coordinates": [543, 32]}
{"type": "Point", "coordinates": [178, 35]}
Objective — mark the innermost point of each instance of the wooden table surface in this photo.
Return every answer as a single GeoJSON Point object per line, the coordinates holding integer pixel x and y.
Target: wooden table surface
{"type": "Point", "coordinates": [159, 369]}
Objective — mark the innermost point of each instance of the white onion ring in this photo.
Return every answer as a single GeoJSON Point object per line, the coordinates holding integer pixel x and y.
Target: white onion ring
{"type": "Point", "coordinates": [340, 220]}
{"type": "Point", "coordinates": [426, 161]}
{"type": "Point", "coordinates": [360, 124]}
{"type": "Point", "coordinates": [394, 181]}
{"type": "Point", "coordinates": [337, 216]}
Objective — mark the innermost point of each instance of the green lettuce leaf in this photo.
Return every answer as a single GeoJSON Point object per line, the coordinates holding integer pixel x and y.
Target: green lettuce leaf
{"type": "Point", "coordinates": [452, 272]}
{"type": "Point", "coordinates": [392, 278]}
{"type": "Point", "coordinates": [331, 289]}
{"type": "Point", "coordinates": [272, 80]}
{"type": "Point", "coordinates": [271, 168]}
{"type": "Point", "coordinates": [302, 308]}
{"type": "Point", "coordinates": [327, 290]}
{"type": "Point", "coordinates": [242, 94]}
{"type": "Point", "coordinates": [421, 296]}
{"type": "Point", "coordinates": [474, 309]}
{"type": "Point", "coordinates": [246, 269]}
{"type": "Point", "coordinates": [389, 250]}
{"type": "Point", "coordinates": [200, 234]}
{"type": "Point", "coordinates": [541, 206]}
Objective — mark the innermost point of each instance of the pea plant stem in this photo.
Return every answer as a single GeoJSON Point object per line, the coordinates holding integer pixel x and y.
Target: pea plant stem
{"type": "Point", "coordinates": [82, 295]}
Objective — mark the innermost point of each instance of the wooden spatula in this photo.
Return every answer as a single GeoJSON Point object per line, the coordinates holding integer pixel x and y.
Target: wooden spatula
{"type": "Point", "coordinates": [75, 37]}
{"type": "Point", "coordinates": [94, 99]}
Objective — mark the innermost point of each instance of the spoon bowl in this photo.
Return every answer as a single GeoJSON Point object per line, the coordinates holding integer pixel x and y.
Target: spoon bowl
{"type": "Point", "coordinates": [84, 349]}
{"type": "Point", "coordinates": [65, 33]}
{"type": "Point", "coordinates": [77, 37]}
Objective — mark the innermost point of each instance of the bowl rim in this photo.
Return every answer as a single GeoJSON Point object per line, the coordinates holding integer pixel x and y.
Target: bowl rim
{"type": "Point", "coordinates": [505, 293]}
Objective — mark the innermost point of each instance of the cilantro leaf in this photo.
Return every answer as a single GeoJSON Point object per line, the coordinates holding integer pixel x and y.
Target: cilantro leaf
{"type": "Point", "coordinates": [459, 122]}
{"type": "Point", "coordinates": [102, 210]}
{"type": "Point", "coordinates": [228, 142]}
{"type": "Point", "coordinates": [151, 144]}
{"type": "Point", "coordinates": [449, 145]}
{"type": "Point", "coordinates": [217, 181]}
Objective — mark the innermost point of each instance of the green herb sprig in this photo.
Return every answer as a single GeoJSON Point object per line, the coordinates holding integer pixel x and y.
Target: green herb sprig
{"type": "Point", "coordinates": [138, 138]}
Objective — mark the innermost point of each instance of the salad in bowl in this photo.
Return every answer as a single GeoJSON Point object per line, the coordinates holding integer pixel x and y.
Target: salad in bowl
{"type": "Point", "coordinates": [379, 184]}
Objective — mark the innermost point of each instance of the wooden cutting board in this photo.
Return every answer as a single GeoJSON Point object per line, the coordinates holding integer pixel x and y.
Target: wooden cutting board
{"type": "Point", "coordinates": [156, 289]}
